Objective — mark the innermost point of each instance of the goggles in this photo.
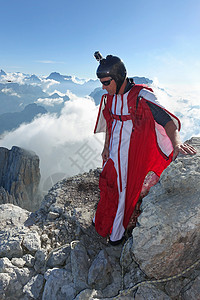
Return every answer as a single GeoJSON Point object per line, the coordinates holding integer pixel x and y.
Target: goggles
{"type": "Point", "coordinates": [107, 82]}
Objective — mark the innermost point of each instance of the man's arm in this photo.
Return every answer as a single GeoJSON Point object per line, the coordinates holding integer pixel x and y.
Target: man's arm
{"type": "Point", "coordinates": [178, 146]}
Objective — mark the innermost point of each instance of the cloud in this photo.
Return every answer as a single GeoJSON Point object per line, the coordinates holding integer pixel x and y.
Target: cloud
{"type": "Point", "coordinates": [65, 144]}
{"type": "Point", "coordinates": [50, 62]}
{"type": "Point", "coordinates": [13, 77]}
{"type": "Point", "coordinates": [10, 92]}
{"type": "Point", "coordinates": [50, 101]}
{"type": "Point", "coordinates": [183, 101]}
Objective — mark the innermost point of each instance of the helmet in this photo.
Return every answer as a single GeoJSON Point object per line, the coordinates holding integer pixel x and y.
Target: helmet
{"type": "Point", "coordinates": [111, 66]}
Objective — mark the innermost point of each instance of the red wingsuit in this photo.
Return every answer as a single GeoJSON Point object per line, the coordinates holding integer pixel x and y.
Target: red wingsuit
{"type": "Point", "coordinates": [138, 145]}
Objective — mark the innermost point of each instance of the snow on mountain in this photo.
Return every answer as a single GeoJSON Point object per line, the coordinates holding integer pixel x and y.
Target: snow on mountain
{"type": "Point", "coordinates": [53, 103]}
{"type": "Point", "coordinates": [2, 73]}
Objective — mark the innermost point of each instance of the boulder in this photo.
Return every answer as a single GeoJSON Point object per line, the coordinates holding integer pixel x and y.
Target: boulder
{"type": "Point", "coordinates": [168, 238]}
{"type": "Point", "coordinates": [19, 178]}
{"type": "Point", "coordinates": [59, 285]}
{"type": "Point", "coordinates": [99, 274]}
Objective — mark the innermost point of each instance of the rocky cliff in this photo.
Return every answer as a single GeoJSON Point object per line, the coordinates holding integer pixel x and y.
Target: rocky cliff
{"type": "Point", "coordinates": [19, 178]}
{"type": "Point", "coordinates": [55, 253]}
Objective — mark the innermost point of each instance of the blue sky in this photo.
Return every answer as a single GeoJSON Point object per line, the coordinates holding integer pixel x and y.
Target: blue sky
{"type": "Point", "coordinates": [154, 38]}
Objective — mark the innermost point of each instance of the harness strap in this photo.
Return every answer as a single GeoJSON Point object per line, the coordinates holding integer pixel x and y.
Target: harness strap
{"type": "Point", "coordinates": [121, 118]}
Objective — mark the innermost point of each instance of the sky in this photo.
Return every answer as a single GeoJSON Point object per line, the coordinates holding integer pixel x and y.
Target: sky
{"type": "Point", "coordinates": [156, 39]}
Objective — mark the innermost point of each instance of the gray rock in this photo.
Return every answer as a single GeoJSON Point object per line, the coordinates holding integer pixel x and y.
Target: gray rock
{"type": "Point", "coordinates": [19, 177]}
{"type": "Point", "coordinates": [5, 264]}
{"type": "Point", "coordinates": [23, 275]}
{"type": "Point", "coordinates": [18, 262]}
{"type": "Point", "coordinates": [80, 265]}
{"type": "Point", "coordinates": [10, 244]}
{"type": "Point", "coordinates": [12, 215]}
{"type": "Point", "coordinates": [167, 242]}
{"type": "Point", "coordinates": [126, 254]}
{"type": "Point", "coordinates": [32, 241]}
{"type": "Point", "coordinates": [133, 276]}
{"type": "Point", "coordinates": [59, 285]}
{"type": "Point", "coordinates": [15, 238]}
{"type": "Point", "coordinates": [99, 275]}
{"type": "Point", "coordinates": [18, 279]}
{"type": "Point", "coordinates": [40, 261]}
{"type": "Point", "coordinates": [53, 215]}
{"type": "Point", "coordinates": [29, 260]}
{"type": "Point", "coordinates": [114, 254]}
{"type": "Point", "coordinates": [4, 283]}
{"type": "Point", "coordinates": [150, 292]}
{"type": "Point", "coordinates": [34, 287]}
{"type": "Point", "coordinates": [193, 293]}
{"type": "Point", "coordinates": [88, 294]}
{"type": "Point", "coordinates": [175, 287]}
{"type": "Point", "coordinates": [58, 257]}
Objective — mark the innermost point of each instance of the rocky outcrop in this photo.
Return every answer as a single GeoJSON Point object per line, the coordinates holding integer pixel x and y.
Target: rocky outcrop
{"type": "Point", "coordinates": [55, 253]}
{"type": "Point", "coordinates": [167, 242]}
{"type": "Point", "coordinates": [19, 178]}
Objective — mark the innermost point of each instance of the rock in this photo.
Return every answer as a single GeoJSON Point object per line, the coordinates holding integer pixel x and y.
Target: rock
{"type": "Point", "coordinates": [52, 215]}
{"type": "Point", "coordinates": [59, 285]}
{"type": "Point", "coordinates": [34, 287]}
{"type": "Point", "coordinates": [126, 257]}
{"type": "Point", "coordinates": [133, 275]}
{"type": "Point", "coordinates": [19, 178]}
{"type": "Point", "coordinates": [12, 230]}
{"type": "Point", "coordinates": [167, 241]}
{"type": "Point", "coordinates": [149, 292]}
{"type": "Point", "coordinates": [12, 215]}
{"type": "Point", "coordinates": [10, 244]}
{"type": "Point", "coordinates": [32, 241]}
{"type": "Point", "coordinates": [89, 294]}
{"type": "Point", "coordinates": [5, 264]}
{"type": "Point", "coordinates": [193, 293]}
{"type": "Point", "coordinates": [80, 265]}
{"type": "Point", "coordinates": [58, 257]}
{"type": "Point", "coordinates": [18, 262]}
{"type": "Point", "coordinates": [40, 261]}
{"type": "Point", "coordinates": [99, 275]}
{"type": "Point", "coordinates": [18, 277]}
{"type": "Point", "coordinates": [29, 260]}
{"type": "Point", "coordinates": [4, 282]}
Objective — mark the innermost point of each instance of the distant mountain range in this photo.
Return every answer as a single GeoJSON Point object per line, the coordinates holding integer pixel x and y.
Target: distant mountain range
{"type": "Point", "coordinates": [10, 121]}
{"type": "Point", "coordinates": [24, 96]}
{"type": "Point", "coordinates": [98, 92]}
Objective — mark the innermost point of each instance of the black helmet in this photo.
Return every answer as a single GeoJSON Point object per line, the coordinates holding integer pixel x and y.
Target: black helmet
{"type": "Point", "coordinates": [111, 66]}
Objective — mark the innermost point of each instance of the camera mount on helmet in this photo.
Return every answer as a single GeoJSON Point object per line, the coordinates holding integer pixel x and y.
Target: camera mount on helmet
{"type": "Point", "coordinates": [98, 56]}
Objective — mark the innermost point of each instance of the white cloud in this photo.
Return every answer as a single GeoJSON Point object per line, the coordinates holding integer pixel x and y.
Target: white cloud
{"type": "Point", "coordinates": [9, 91]}
{"type": "Point", "coordinates": [65, 144]}
{"type": "Point", "coordinates": [49, 101]}
{"type": "Point", "coordinates": [50, 62]}
{"type": "Point", "coordinates": [184, 103]}
{"type": "Point", "coordinates": [13, 77]}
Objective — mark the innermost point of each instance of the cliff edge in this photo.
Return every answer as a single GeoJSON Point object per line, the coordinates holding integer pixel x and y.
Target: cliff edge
{"type": "Point", "coordinates": [19, 178]}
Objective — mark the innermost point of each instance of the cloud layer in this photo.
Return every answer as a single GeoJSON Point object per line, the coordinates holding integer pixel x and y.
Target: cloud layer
{"type": "Point", "coordinates": [65, 144]}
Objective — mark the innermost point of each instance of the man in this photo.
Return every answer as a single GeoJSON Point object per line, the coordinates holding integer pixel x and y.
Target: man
{"type": "Point", "coordinates": [141, 138]}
